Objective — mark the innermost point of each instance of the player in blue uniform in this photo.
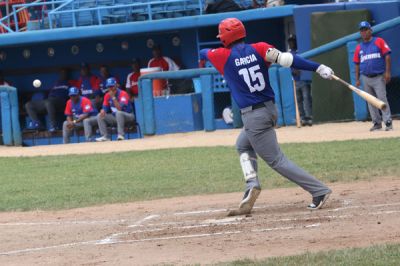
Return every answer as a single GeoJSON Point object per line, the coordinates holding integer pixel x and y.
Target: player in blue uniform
{"type": "Point", "coordinates": [245, 69]}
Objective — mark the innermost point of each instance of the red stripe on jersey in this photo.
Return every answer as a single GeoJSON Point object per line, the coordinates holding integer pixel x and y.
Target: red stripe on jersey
{"type": "Point", "coordinates": [218, 58]}
{"type": "Point", "coordinates": [261, 48]}
{"type": "Point", "coordinates": [356, 57]}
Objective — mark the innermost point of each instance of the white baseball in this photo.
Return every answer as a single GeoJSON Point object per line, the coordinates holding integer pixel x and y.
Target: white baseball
{"type": "Point", "coordinates": [37, 83]}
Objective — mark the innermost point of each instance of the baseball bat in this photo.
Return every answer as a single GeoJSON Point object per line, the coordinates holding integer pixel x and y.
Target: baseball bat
{"type": "Point", "coordinates": [366, 96]}
{"type": "Point", "coordinates": [298, 123]}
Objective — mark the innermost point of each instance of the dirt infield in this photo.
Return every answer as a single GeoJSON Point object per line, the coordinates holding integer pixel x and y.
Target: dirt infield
{"type": "Point", "coordinates": [196, 229]}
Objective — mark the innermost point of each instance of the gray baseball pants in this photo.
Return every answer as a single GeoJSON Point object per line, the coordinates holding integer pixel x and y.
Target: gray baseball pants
{"type": "Point", "coordinates": [87, 125]}
{"type": "Point", "coordinates": [259, 137]}
{"type": "Point", "coordinates": [377, 87]}
{"type": "Point", "coordinates": [50, 106]}
{"type": "Point", "coordinates": [120, 119]}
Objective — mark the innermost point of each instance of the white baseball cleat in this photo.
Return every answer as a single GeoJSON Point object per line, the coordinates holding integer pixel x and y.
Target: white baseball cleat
{"type": "Point", "coordinates": [103, 138]}
{"type": "Point", "coordinates": [246, 205]}
{"type": "Point", "coordinates": [120, 137]}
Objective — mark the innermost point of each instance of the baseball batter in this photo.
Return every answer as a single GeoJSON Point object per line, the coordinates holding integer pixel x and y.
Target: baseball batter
{"type": "Point", "coordinates": [245, 69]}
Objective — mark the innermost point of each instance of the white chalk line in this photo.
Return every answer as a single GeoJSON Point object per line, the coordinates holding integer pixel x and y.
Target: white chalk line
{"type": "Point", "coordinates": [212, 234]}
{"type": "Point", "coordinates": [112, 240]}
{"type": "Point", "coordinates": [27, 250]}
{"type": "Point", "coordinates": [101, 242]}
{"type": "Point", "coordinates": [122, 221]}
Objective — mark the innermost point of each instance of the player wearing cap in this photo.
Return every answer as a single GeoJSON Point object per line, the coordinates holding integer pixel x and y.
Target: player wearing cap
{"type": "Point", "coordinates": [117, 111]}
{"type": "Point", "coordinates": [245, 69]}
{"type": "Point", "coordinates": [80, 113]}
{"type": "Point", "coordinates": [372, 61]}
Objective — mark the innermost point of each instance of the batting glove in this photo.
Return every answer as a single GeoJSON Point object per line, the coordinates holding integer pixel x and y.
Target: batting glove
{"type": "Point", "coordinates": [325, 72]}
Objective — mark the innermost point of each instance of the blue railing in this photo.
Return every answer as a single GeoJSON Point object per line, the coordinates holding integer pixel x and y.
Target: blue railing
{"type": "Point", "coordinates": [95, 15]}
{"type": "Point", "coordinates": [21, 7]}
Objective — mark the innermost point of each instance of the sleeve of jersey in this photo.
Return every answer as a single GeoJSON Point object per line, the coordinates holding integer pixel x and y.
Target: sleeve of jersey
{"type": "Point", "coordinates": [218, 58]}
{"type": "Point", "coordinates": [123, 98]}
{"type": "Point", "coordinates": [261, 48]}
{"type": "Point", "coordinates": [304, 64]}
{"type": "Point", "coordinates": [106, 105]}
{"type": "Point", "coordinates": [356, 57]}
{"type": "Point", "coordinates": [95, 82]}
{"type": "Point", "coordinates": [67, 111]}
{"type": "Point", "coordinates": [86, 106]}
{"type": "Point", "coordinates": [385, 49]}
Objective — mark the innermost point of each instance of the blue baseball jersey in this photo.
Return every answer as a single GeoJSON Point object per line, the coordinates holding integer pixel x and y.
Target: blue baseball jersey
{"type": "Point", "coordinates": [245, 71]}
{"type": "Point", "coordinates": [371, 56]}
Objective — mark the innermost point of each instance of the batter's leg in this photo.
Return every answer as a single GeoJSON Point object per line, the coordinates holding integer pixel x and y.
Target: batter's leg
{"type": "Point", "coordinates": [262, 136]}
{"type": "Point", "coordinates": [248, 162]}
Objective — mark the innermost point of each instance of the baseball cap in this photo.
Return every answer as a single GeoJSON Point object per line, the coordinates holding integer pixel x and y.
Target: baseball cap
{"type": "Point", "coordinates": [364, 24]}
{"type": "Point", "coordinates": [111, 82]}
{"type": "Point", "coordinates": [73, 91]}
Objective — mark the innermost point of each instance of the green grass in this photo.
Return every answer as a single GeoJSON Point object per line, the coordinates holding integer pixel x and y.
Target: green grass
{"type": "Point", "coordinates": [379, 255]}
{"type": "Point", "coordinates": [61, 182]}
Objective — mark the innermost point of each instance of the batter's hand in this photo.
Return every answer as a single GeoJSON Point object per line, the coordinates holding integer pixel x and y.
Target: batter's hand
{"type": "Point", "coordinates": [325, 72]}
{"type": "Point", "coordinates": [358, 83]}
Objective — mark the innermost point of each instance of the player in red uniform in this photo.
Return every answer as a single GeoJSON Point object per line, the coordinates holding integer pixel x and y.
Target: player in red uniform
{"type": "Point", "coordinates": [245, 69]}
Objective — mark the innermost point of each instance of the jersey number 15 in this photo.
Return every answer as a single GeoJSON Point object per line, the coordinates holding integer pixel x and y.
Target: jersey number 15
{"type": "Point", "coordinates": [253, 78]}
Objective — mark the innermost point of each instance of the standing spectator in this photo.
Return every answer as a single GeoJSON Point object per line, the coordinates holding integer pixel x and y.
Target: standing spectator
{"type": "Point", "coordinates": [165, 63]}
{"type": "Point", "coordinates": [89, 84]}
{"type": "Point", "coordinates": [303, 89]}
{"type": "Point", "coordinates": [132, 79]}
{"type": "Point", "coordinates": [117, 110]}
{"type": "Point", "coordinates": [220, 6]}
{"type": "Point", "coordinates": [3, 82]}
{"type": "Point", "coordinates": [80, 113]}
{"type": "Point", "coordinates": [55, 103]}
{"type": "Point", "coordinates": [372, 61]}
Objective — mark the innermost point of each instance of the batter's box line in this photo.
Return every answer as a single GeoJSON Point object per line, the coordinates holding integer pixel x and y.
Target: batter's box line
{"type": "Point", "coordinates": [99, 242]}
{"type": "Point", "coordinates": [262, 230]}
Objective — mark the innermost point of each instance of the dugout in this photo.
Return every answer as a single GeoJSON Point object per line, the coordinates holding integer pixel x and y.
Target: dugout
{"type": "Point", "coordinates": [39, 54]}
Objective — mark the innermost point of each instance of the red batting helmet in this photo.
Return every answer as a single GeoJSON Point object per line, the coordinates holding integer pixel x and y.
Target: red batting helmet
{"type": "Point", "coordinates": [230, 30]}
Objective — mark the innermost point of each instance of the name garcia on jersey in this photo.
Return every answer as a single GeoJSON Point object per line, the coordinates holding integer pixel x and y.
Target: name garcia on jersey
{"type": "Point", "coordinates": [245, 60]}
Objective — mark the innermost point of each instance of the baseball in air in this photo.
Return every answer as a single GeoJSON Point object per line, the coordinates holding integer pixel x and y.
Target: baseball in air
{"type": "Point", "coordinates": [37, 83]}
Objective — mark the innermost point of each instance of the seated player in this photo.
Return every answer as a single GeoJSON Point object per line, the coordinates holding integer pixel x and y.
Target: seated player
{"type": "Point", "coordinates": [80, 113]}
{"type": "Point", "coordinates": [117, 111]}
